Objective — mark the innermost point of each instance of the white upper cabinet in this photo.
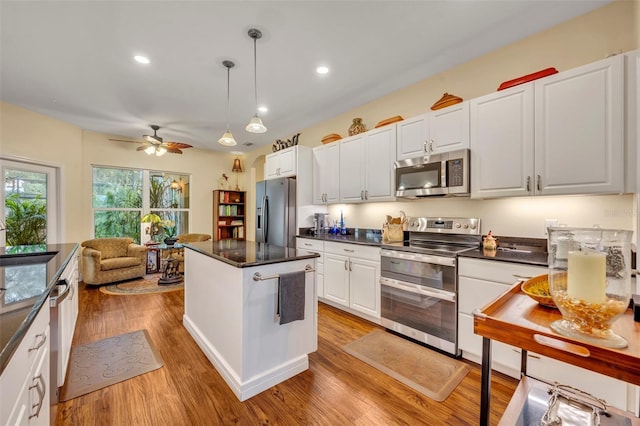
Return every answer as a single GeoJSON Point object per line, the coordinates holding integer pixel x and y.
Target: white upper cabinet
{"type": "Point", "coordinates": [438, 131]}
{"type": "Point", "coordinates": [366, 166]}
{"type": "Point", "coordinates": [502, 143]}
{"type": "Point", "coordinates": [351, 169]}
{"type": "Point", "coordinates": [563, 134]}
{"type": "Point", "coordinates": [579, 128]}
{"type": "Point", "coordinates": [326, 173]}
{"type": "Point", "coordinates": [281, 163]}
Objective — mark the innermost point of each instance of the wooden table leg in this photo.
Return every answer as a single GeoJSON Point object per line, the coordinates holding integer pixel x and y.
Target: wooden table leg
{"type": "Point", "coordinates": [485, 385]}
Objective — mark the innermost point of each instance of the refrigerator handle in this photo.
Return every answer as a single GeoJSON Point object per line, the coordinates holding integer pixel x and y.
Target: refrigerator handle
{"type": "Point", "coordinates": [265, 218]}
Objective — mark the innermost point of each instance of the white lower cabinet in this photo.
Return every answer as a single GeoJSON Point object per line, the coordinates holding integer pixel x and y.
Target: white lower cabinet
{"type": "Point", "coordinates": [352, 278]}
{"type": "Point", "coordinates": [24, 384]}
{"type": "Point", "coordinates": [315, 246]}
{"type": "Point", "coordinates": [480, 282]}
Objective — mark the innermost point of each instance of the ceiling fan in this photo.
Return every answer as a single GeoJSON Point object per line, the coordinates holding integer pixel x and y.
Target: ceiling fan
{"type": "Point", "coordinates": [154, 144]}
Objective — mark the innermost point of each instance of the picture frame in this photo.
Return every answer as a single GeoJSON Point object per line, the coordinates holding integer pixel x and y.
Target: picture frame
{"type": "Point", "coordinates": [152, 260]}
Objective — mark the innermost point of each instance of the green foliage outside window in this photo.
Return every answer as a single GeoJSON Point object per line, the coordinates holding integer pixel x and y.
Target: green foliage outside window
{"type": "Point", "coordinates": [26, 220]}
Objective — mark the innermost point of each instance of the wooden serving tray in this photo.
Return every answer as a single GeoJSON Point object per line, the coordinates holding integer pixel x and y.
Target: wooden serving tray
{"type": "Point", "coordinates": [529, 77]}
{"type": "Point", "coordinates": [516, 319]}
{"type": "Point", "coordinates": [389, 121]}
{"type": "Point", "coordinates": [331, 138]}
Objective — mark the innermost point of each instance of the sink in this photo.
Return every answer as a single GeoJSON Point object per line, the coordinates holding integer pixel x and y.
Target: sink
{"type": "Point", "coordinates": [26, 258]}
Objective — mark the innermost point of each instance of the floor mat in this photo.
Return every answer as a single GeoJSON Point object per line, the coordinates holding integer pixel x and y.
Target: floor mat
{"type": "Point", "coordinates": [429, 372]}
{"type": "Point", "coordinates": [145, 285]}
{"type": "Point", "coordinates": [96, 365]}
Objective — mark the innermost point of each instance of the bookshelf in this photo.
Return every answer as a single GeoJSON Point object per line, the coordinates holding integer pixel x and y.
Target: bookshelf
{"type": "Point", "coordinates": [228, 215]}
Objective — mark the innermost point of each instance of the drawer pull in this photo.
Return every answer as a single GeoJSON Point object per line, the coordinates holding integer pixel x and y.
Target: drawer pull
{"type": "Point", "coordinates": [43, 339]}
{"type": "Point", "coordinates": [40, 390]}
{"type": "Point", "coordinates": [349, 250]}
{"type": "Point", "coordinates": [562, 345]}
{"type": "Point", "coordinates": [308, 244]}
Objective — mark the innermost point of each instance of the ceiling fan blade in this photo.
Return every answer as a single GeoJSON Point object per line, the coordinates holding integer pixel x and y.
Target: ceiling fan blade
{"type": "Point", "coordinates": [173, 150]}
{"type": "Point", "coordinates": [142, 148]}
{"type": "Point", "coordinates": [124, 140]}
{"type": "Point", "coordinates": [178, 145]}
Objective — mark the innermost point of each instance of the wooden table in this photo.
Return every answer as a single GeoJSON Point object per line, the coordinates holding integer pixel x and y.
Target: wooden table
{"type": "Point", "coordinates": [516, 319]}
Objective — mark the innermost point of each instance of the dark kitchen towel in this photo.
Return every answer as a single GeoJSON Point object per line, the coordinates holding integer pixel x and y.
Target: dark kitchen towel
{"type": "Point", "coordinates": [291, 288]}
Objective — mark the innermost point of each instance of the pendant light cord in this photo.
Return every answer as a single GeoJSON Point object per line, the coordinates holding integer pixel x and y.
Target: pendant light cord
{"type": "Point", "coordinates": [255, 75]}
{"type": "Point", "coordinates": [228, 85]}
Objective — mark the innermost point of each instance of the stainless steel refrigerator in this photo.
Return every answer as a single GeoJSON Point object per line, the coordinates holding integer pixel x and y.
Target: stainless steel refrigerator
{"type": "Point", "coordinates": [276, 212]}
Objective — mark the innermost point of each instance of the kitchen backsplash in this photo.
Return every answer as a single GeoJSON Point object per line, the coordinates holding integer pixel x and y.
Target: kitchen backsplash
{"type": "Point", "coordinates": [516, 216]}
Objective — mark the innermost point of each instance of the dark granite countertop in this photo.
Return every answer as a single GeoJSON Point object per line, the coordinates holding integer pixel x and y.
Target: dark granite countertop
{"type": "Point", "coordinates": [27, 290]}
{"type": "Point", "coordinates": [529, 258]}
{"type": "Point", "coordinates": [244, 254]}
{"type": "Point", "coordinates": [369, 237]}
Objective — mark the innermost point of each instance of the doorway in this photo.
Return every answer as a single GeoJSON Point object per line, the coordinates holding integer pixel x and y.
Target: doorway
{"type": "Point", "coordinates": [30, 199]}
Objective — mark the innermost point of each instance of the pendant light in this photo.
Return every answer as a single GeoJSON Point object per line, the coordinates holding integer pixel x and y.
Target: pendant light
{"type": "Point", "coordinates": [255, 125]}
{"type": "Point", "coordinates": [227, 137]}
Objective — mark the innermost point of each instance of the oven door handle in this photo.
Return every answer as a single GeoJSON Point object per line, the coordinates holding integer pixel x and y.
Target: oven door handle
{"type": "Point", "coordinates": [438, 294]}
{"type": "Point", "coordinates": [417, 257]}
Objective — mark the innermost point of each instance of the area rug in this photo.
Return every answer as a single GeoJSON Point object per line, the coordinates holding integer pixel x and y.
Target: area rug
{"type": "Point", "coordinates": [145, 285]}
{"type": "Point", "coordinates": [429, 372]}
{"type": "Point", "coordinates": [103, 363]}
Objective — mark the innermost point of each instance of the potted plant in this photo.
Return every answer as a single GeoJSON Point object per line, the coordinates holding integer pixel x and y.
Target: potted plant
{"type": "Point", "coordinates": [169, 227]}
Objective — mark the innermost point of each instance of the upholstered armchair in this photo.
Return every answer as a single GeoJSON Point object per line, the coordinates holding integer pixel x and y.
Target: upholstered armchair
{"type": "Point", "coordinates": [178, 254]}
{"type": "Point", "coordinates": [107, 260]}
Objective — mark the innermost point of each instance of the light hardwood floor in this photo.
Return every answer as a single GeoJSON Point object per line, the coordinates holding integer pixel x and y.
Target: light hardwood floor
{"type": "Point", "coordinates": [337, 389]}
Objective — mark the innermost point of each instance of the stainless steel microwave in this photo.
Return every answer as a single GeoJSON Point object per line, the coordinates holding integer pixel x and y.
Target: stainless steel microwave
{"type": "Point", "coordinates": [440, 174]}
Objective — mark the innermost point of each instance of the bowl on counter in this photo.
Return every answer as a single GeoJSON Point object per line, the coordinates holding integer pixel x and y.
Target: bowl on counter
{"type": "Point", "coordinates": [537, 288]}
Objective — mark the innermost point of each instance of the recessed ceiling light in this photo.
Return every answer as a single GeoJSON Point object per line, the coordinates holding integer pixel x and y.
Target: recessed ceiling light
{"type": "Point", "coordinates": [141, 59]}
{"type": "Point", "coordinates": [263, 109]}
{"type": "Point", "coordinates": [322, 70]}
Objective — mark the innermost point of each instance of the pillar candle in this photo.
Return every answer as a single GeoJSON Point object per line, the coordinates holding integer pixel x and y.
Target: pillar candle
{"type": "Point", "coordinates": [587, 276]}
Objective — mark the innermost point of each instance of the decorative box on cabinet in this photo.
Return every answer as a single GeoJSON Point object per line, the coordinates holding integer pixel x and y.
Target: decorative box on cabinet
{"type": "Point", "coordinates": [326, 174]}
{"type": "Point", "coordinates": [228, 215]}
{"type": "Point", "coordinates": [352, 278]}
{"type": "Point", "coordinates": [562, 134]}
{"type": "Point", "coordinates": [443, 130]}
{"type": "Point", "coordinates": [315, 246]}
{"type": "Point", "coordinates": [281, 163]}
{"type": "Point", "coordinates": [366, 166]}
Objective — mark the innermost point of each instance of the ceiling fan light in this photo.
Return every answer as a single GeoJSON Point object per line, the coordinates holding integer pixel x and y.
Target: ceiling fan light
{"type": "Point", "coordinates": [150, 150]}
{"type": "Point", "coordinates": [255, 125]}
{"type": "Point", "coordinates": [227, 139]}
{"type": "Point", "coordinates": [160, 151]}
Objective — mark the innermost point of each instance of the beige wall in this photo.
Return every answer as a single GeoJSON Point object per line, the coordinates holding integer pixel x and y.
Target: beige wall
{"type": "Point", "coordinates": [28, 135]}
{"type": "Point", "coordinates": [611, 29]}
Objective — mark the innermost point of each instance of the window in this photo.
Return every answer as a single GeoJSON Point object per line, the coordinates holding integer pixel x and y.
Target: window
{"type": "Point", "coordinates": [29, 196]}
{"type": "Point", "coordinates": [121, 197]}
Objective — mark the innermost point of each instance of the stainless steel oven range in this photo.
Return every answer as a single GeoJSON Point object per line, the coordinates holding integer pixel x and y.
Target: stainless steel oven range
{"type": "Point", "coordinates": [419, 280]}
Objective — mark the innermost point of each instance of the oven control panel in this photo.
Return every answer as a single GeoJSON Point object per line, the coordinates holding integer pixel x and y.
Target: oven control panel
{"type": "Point", "coordinates": [449, 225]}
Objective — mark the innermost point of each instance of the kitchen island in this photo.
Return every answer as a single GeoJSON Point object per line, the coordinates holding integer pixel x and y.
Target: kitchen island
{"type": "Point", "coordinates": [231, 300]}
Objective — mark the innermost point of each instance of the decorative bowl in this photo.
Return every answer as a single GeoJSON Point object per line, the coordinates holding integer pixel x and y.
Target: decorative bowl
{"type": "Point", "coordinates": [537, 288]}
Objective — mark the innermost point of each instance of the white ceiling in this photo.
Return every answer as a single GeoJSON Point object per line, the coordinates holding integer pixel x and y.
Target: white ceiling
{"type": "Point", "coordinates": [73, 60]}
